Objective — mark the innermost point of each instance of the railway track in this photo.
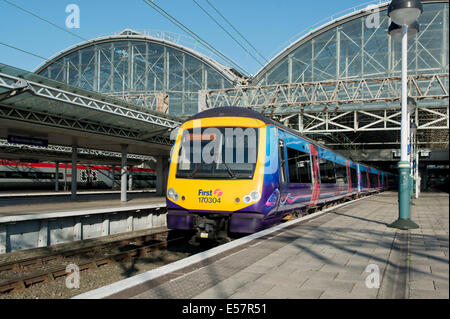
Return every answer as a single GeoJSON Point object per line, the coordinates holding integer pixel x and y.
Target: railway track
{"type": "Point", "coordinates": [28, 272]}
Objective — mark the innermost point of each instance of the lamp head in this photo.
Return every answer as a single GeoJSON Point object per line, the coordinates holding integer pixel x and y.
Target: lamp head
{"type": "Point", "coordinates": [395, 30]}
{"type": "Point", "coordinates": [405, 11]}
{"type": "Point", "coordinates": [413, 127]}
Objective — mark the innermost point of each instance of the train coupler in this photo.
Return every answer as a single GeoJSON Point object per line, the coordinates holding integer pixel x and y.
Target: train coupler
{"type": "Point", "coordinates": [212, 228]}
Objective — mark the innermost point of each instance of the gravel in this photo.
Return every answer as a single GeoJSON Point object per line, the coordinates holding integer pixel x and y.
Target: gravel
{"type": "Point", "coordinates": [98, 277]}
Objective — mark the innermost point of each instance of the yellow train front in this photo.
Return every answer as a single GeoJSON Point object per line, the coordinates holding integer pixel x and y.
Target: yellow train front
{"type": "Point", "coordinates": [216, 174]}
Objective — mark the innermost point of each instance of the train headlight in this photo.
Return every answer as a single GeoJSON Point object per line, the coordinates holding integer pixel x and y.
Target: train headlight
{"type": "Point", "coordinates": [172, 194]}
{"type": "Point", "coordinates": [252, 197]}
{"type": "Point", "coordinates": [247, 199]}
{"type": "Point", "coordinates": [255, 195]}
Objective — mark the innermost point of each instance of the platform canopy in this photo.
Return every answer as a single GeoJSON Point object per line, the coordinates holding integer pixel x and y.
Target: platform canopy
{"type": "Point", "coordinates": [35, 110]}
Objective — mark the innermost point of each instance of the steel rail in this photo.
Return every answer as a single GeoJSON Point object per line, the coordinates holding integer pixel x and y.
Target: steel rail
{"type": "Point", "coordinates": [27, 281]}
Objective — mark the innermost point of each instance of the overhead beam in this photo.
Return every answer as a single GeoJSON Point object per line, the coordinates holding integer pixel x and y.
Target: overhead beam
{"type": "Point", "coordinates": [335, 95]}
{"type": "Point", "coordinates": [55, 94]}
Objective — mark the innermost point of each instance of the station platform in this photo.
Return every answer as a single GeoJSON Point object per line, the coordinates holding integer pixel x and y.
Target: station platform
{"type": "Point", "coordinates": [38, 193]}
{"type": "Point", "coordinates": [43, 203]}
{"type": "Point", "coordinates": [41, 221]}
{"type": "Point", "coordinates": [346, 251]}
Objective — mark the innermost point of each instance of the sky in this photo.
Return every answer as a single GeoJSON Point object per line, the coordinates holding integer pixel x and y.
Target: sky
{"type": "Point", "coordinates": [268, 25]}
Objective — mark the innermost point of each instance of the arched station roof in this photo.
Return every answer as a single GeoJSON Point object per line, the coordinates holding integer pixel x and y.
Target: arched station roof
{"type": "Point", "coordinates": [137, 67]}
{"type": "Point", "coordinates": [357, 45]}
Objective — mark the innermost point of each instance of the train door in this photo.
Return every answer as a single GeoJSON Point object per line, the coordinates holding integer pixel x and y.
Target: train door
{"type": "Point", "coordinates": [282, 170]}
{"type": "Point", "coordinates": [315, 174]}
{"type": "Point", "coordinates": [349, 178]}
{"type": "Point", "coordinates": [379, 180]}
{"type": "Point", "coordinates": [358, 177]}
{"type": "Point", "coordinates": [89, 177]}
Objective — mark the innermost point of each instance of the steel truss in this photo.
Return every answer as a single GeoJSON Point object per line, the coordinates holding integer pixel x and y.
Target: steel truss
{"type": "Point", "coordinates": [317, 96]}
{"type": "Point", "coordinates": [376, 120]}
{"type": "Point", "coordinates": [68, 150]}
{"type": "Point", "coordinates": [14, 83]}
{"type": "Point", "coordinates": [19, 114]}
{"type": "Point", "coordinates": [17, 86]}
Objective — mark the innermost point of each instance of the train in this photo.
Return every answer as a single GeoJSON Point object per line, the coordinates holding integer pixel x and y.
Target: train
{"type": "Point", "coordinates": [234, 171]}
{"type": "Point", "coordinates": [19, 175]}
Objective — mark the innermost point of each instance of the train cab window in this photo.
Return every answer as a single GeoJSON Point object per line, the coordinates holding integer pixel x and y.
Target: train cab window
{"type": "Point", "coordinates": [299, 164]}
{"type": "Point", "coordinates": [341, 173]}
{"type": "Point", "coordinates": [327, 174]}
{"type": "Point", "coordinates": [353, 176]}
{"type": "Point", "coordinates": [218, 153]}
{"type": "Point", "coordinates": [282, 162]}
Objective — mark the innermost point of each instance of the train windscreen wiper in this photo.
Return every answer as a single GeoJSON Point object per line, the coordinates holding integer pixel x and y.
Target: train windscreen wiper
{"type": "Point", "coordinates": [229, 170]}
{"type": "Point", "coordinates": [197, 166]}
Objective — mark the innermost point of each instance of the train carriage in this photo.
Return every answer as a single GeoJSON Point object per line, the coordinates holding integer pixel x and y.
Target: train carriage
{"type": "Point", "coordinates": [234, 170]}
{"type": "Point", "coordinates": [16, 175]}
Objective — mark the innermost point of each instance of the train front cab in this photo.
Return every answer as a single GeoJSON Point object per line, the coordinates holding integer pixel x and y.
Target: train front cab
{"type": "Point", "coordinates": [218, 198]}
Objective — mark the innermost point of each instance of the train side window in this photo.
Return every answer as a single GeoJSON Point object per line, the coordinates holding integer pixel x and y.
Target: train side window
{"type": "Point", "coordinates": [2, 174]}
{"type": "Point", "coordinates": [353, 176]}
{"type": "Point", "coordinates": [327, 173]}
{"type": "Point", "coordinates": [32, 175]}
{"type": "Point", "coordinates": [282, 162]}
{"type": "Point", "coordinates": [341, 173]}
{"type": "Point", "coordinates": [299, 164]}
{"type": "Point", "coordinates": [15, 175]}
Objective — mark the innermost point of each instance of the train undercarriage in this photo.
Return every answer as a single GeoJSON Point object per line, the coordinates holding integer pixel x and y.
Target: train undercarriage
{"type": "Point", "coordinates": [211, 227]}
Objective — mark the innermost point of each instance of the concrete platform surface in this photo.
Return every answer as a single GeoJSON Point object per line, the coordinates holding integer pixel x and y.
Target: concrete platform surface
{"type": "Point", "coordinates": [346, 253]}
{"type": "Point", "coordinates": [60, 204]}
{"type": "Point", "coordinates": [30, 193]}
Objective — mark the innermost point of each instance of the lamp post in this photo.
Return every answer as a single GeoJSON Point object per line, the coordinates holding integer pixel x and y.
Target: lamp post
{"type": "Point", "coordinates": [415, 159]}
{"type": "Point", "coordinates": [412, 105]}
{"type": "Point", "coordinates": [404, 13]}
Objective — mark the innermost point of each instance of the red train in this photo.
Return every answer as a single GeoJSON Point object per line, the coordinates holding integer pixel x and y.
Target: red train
{"type": "Point", "coordinates": [16, 175]}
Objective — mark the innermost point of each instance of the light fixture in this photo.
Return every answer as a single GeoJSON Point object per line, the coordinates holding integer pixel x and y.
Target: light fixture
{"type": "Point", "coordinates": [413, 127]}
{"type": "Point", "coordinates": [405, 12]}
{"type": "Point", "coordinates": [172, 194]}
{"type": "Point", "coordinates": [254, 196]}
{"type": "Point", "coordinates": [395, 30]}
{"type": "Point", "coordinates": [412, 105]}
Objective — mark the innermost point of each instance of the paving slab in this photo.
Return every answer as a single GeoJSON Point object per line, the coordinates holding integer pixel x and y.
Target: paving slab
{"type": "Point", "coordinates": [345, 253]}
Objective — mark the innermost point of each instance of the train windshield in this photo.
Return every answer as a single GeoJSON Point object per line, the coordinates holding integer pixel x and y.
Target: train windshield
{"type": "Point", "coordinates": [218, 153]}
